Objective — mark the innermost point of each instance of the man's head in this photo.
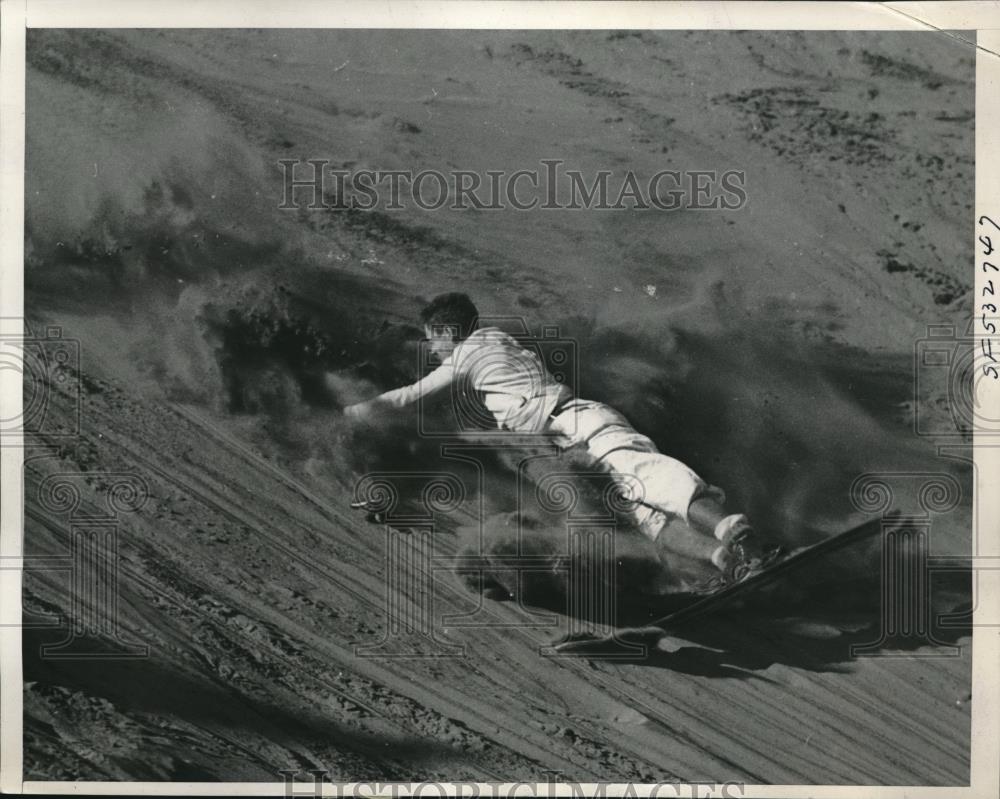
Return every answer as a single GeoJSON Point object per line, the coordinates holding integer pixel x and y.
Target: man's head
{"type": "Point", "coordinates": [448, 319]}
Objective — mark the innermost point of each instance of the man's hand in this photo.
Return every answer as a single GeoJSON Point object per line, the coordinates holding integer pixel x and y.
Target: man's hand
{"type": "Point", "coordinates": [360, 411]}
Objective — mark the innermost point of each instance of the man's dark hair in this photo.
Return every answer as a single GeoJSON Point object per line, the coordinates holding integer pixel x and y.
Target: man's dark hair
{"type": "Point", "coordinates": [453, 309]}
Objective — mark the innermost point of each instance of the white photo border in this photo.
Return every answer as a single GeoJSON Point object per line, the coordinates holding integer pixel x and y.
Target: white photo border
{"type": "Point", "coordinates": [946, 17]}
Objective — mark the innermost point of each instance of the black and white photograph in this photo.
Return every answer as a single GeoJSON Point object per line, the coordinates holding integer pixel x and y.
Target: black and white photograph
{"type": "Point", "coordinates": [531, 408]}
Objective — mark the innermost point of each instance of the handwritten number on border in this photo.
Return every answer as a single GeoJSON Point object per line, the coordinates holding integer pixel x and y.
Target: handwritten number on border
{"type": "Point", "coordinates": [989, 369]}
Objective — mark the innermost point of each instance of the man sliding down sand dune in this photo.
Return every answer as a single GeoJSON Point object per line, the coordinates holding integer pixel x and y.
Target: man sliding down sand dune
{"type": "Point", "coordinates": [519, 392]}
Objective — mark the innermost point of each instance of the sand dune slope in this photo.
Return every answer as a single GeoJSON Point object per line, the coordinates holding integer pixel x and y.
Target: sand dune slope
{"type": "Point", "coordinates": [771, 347]}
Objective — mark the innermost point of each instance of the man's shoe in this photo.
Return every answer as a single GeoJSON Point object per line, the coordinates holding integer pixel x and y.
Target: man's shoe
{"type": "Point", "coordinates": [372, 516]}
{"type": "Point", "coordinates": [746, 557]}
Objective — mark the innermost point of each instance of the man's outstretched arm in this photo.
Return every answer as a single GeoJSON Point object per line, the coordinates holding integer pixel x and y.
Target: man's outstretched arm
{"type": "Point", "coordinates": [440, 378]}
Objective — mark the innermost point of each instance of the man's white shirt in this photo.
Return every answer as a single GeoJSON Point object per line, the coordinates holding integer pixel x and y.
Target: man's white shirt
{"type": "Point", "coordinates": [510, 380]}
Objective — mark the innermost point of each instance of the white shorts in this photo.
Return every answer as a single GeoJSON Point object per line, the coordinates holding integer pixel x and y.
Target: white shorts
{"type": "Point", "coordinates": [663, 486]}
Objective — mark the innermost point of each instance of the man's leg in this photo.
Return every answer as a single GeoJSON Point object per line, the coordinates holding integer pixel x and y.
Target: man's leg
{"type": "Point", "coordinates": [705, 513]}
{"type": "Point", "coordinates": [667, 485]}
{"type": "Point", "coordinates": [685, 540]}
{"type": "Point", "coordinates": [710, 533]}
{"type": "Point", "coordinates": [709, 517]}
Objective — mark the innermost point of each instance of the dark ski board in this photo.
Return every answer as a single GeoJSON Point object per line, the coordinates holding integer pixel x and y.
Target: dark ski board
{"type": "Point", "coordinates": [623, 640]}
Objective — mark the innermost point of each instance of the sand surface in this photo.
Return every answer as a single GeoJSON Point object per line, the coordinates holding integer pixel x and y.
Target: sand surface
{"type": "Point", "coordinates": [772, 348]}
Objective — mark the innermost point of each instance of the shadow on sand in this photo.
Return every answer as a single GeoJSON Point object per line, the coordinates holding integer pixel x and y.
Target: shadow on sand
{"type": "Point", "coordinates": [818, 618]}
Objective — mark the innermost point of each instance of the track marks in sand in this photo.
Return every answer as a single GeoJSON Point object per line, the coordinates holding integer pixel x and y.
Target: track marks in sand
{"type": "Point", "coordinates": [246, 642]}
{"type": "Point", "coordinates": [272, 614]}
